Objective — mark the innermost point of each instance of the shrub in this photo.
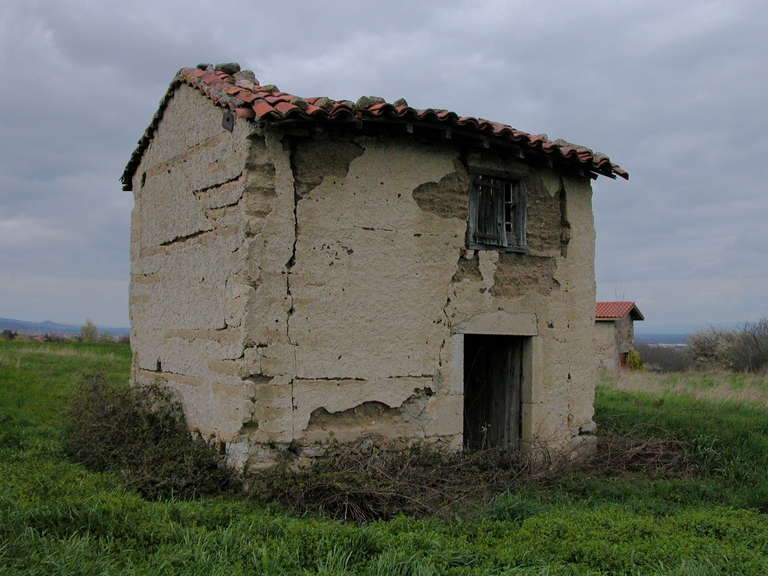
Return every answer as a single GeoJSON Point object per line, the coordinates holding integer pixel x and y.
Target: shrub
{"type": "Point", "coordinates": [48, 337]}
{"type": "Point", "coordinates": [743, 349]}
{"type": "Point", "coordinates": [141, 433]}
{"type": "Point", "coordinates": [751, 351]}
{"type": "Point", "coordinates": [709, 349]}
{"type": "Point", "coordinates": [635, 362]}
{"type": "Point", "coordinates": [89, 332]}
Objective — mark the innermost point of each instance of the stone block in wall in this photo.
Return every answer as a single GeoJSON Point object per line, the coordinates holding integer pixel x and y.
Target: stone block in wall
{"type": "Point", "coordinates": [545, 425]}
{"type": "Point", "coordinates": [266, 311]}
{"type": "Point", "coordinates": [582, 406]}
{"type": "Point", "coordinates": [452, 365]}
{"type": "Point", "coordinates": [227, 194]}
{"type": "Point", "coordinates": [251, 362]}
{"type": "Point", "coordinates": [189, 352]}
{"type": "Point", "coordinates": [276, 359]}
{"type": "Point", "coordinates": [444, 416]}
{"type": "Point", "coordinates": [272, 412]}
{"type": "Point", "coordinates": [500, 322]}
{"type": "Point", "coordinates": [189, 292]}
{"type": "Point", "coordinates": [228, 217]}
{"type": "Point", "coordinates": [198, 401]}
{"type": "Point", "coordinates": [169, 210]}
{"type": "Point", "coordinates": [237, 294]}
{"type": "Point", "coordinates": [145, 344]}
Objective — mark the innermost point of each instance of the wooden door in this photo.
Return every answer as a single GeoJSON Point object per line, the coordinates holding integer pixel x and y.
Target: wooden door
{"type": "Point", "coordinates": [492, 390]}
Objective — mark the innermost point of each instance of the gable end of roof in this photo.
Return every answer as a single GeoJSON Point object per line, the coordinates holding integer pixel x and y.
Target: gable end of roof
{"type": "Point", "coordinates": [241, 93]}
{"type": "Point", "coordinates": [609, 311]}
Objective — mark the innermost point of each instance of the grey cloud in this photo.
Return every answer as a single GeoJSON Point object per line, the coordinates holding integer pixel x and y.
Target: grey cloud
{"type": "Point", "coordinates": [674, 92]}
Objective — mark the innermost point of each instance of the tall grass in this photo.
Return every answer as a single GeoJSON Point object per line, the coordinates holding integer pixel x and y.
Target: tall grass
{"type": "Point", "coordinates": [58, 518]}
{"type": "Point", "coordinates": [723, 417]}
{"type": "Point", "coordinates": [714, 386]}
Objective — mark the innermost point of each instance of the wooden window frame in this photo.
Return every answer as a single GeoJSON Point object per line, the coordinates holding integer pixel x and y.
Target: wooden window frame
{"type": "Point", "coordinates": [497, 212]}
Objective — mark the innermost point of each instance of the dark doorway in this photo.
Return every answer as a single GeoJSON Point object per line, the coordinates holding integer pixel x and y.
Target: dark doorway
{"type": "Point", "coordinates": [493, 373]}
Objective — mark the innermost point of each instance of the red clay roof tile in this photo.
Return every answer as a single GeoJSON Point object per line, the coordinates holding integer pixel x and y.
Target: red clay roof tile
{"type": "Point", "coordinates": [268, 104]}
{"type": "Point", "coordinates": [285, 108]}
{"type": "Point", "coordinates": [262, 108]}
{"type": "Point", "coordinates": [247, 96]}
{"type": "Point", "coordinates": [616, 310]}
{"type": "Point", "coordinates": [245, 113]}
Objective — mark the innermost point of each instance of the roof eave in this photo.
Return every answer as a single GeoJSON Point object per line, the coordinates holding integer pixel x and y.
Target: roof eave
{"type": "Point", "coordinates": [224, 91]}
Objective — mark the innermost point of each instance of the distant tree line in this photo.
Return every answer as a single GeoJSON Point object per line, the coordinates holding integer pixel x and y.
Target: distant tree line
{"type": "Point", "coordinates": [663, 358]}
{"type": "Point", "coordinates": [742, 349]}
{"type": "Point", "coordinates": [88, 333]}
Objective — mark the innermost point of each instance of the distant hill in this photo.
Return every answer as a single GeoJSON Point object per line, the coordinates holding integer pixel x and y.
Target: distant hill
{"type": "Point", "coordinates": [644, 328]}
{"type": "Point", "coordinates": [668, 339]}
{"type": "Point", "coordinates": [48, 327]}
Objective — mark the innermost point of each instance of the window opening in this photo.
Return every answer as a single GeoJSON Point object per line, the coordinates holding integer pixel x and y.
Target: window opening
{"type": "Point", "coordinates": [497, 213]}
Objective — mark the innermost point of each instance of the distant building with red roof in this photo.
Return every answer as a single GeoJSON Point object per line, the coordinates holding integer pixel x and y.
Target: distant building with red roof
{"type": "Point", "coordinates": [615, 333]}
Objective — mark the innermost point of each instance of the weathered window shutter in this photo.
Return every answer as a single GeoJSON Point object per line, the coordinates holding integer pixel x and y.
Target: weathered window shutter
{"type": "Point", "coordinates": [497, 212]}
{"type": "Point", "coordinates": [489, 223]}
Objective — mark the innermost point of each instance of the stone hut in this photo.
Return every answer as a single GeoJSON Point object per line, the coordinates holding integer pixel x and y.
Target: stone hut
{"type": "Point", "coordinates": [615, 334]}
{"type": "Point", "coordinates": [305, 269]}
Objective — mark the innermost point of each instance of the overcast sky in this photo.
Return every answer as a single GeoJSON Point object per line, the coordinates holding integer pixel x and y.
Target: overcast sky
{"type": "Point", "coordinates": [674, 92]}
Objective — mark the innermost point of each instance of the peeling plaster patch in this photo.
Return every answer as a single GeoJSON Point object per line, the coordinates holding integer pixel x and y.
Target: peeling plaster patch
{"type": "Point", "coordinates": [487, 266]}
{"type": "Point", "coordinates": [361, 416]}
{"type": "Point", "coordinates": [543, 231]}
{"type": "Point", "coordinates": [519, 274]}
{"type": "Point", "coordinates": [447, 198]}
{"type": "Point", "coordinates": [368, 264]}
{"type": "Point", "coordinates": [468, 268]}
{"type": "Point", "coordinates": [340, 395]}
{"type": "Point", "coordinates": [551, 181]}
{"type": "Point", "coordinates": [369, 417]}
{"type": "Point", "coordinates": [314, 161]}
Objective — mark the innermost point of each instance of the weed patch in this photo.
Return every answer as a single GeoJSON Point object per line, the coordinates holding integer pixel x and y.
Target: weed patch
{"type": "Point", "coordinates": [141, 433]}
{"type": "Point", "coordinates": [368, 480]}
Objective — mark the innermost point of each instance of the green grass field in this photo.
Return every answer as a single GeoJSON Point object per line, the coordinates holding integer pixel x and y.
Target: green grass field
{"type": "Point", "coordinates": [58, 518]}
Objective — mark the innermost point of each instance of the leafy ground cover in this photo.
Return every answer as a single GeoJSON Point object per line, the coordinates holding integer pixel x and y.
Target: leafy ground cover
{"type": "Point", "coordinates": [56, 517]}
